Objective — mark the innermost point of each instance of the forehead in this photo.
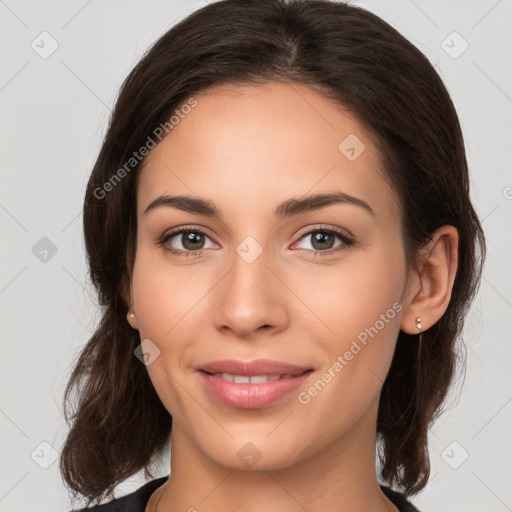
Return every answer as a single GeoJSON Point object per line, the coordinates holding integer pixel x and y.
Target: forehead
{"type": "Point", "coordinates": [254, 146]}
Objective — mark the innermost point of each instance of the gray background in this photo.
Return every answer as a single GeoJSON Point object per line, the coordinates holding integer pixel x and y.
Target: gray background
{"type": "Point", "coordinates": [54, 113]}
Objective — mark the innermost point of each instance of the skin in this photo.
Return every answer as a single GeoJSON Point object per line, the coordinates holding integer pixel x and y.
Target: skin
{"type": "Point", "coordinates": [247, 149]}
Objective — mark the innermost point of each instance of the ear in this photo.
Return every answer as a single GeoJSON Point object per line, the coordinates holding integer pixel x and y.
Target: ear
{"type": "Point", "coordinates": [126, 292]}
{"type": "Point", "coordinates": [431, 282]}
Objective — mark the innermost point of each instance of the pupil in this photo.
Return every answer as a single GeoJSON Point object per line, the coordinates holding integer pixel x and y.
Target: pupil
{"type": "Point", "coordinates": [322, 238]}
{"type": "Point", "coordinates": [190, 239]}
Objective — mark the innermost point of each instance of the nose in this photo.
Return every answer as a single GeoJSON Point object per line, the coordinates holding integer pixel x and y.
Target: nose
{"type": "Point", "coordinates": [252, 298]}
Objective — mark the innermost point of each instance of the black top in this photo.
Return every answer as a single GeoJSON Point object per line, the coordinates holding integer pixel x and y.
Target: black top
{"type": "Point", "coordinates": [137, 500]}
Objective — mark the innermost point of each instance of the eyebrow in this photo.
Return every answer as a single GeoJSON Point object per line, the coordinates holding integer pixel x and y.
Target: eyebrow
{"type": "Point", "coordinates": [288, 208]}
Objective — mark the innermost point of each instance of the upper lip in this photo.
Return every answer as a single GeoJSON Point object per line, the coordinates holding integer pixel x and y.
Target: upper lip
{"type": "Point", "coordinates": [251, 368]}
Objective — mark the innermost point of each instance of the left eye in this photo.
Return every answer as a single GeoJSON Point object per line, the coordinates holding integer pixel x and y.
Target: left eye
{"type": "Point", "coordinates": [323, 240]}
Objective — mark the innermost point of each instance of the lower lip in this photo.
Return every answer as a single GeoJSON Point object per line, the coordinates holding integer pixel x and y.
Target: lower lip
{"type": "Point", "coordinates": [251, 396]}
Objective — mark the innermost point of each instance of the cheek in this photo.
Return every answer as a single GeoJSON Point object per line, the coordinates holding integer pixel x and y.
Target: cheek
{"type": "Point", "coordinates": [165, 298]}
{"type": "Point", "coordinates": [362, 292]}
{"type": "Point", "coordinates": [357, 361]}
{"type": "Point", "coordinates": [170, 309]}
{"type": "Point", "coordinates": [361, 306]}
{"type": "Point", "coordinates": [164, 304]}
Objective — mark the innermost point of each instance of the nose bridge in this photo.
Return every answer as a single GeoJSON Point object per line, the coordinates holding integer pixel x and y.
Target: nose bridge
{"type": "Point", "coordinates": [251, 296]}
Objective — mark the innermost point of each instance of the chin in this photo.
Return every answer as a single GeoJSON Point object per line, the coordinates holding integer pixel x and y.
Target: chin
{"type": "Point", "coordinates": [257, 454]}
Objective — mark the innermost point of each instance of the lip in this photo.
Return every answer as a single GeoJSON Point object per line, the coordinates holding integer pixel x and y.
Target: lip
{"type": "Point", "coordinates": [252, 395]}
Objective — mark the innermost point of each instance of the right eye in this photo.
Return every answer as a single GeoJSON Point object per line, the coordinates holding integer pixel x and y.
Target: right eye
{"type": "Point", "coordinates": [191, 240]}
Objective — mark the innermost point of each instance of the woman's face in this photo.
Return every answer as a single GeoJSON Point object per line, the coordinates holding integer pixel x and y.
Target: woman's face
{"type": "Point", "coordinates": [315, 284]}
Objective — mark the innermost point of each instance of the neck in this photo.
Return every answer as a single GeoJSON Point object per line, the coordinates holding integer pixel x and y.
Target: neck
{"type": "Point", "coordinates": [341, 476]}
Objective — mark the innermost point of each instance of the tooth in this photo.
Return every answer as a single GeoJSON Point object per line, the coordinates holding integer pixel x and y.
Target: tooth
{"type": "Point", "coordinates": [259, 379]}
{"type": "Point", "coordinates": [243, 379]}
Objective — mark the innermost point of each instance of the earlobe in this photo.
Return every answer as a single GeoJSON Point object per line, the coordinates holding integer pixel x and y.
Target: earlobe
{"type": "Point", "coordinates": [436, 269]}
{"type": "Point", "coordinates": [132, 319]}
{"type": "Point", "coordinates": [127, 295]}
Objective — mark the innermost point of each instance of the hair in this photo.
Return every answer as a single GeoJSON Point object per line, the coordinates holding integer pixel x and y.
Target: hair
{"type": "Point", "coordinates": [119, 425]}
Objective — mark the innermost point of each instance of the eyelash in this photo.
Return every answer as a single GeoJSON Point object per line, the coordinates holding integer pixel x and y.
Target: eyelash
{"type": "Point", "coordinates": [347, 241]}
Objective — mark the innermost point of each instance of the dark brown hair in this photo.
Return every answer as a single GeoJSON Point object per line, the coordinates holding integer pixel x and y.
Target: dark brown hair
{"type": "Point", "coordinates": [119, 425]}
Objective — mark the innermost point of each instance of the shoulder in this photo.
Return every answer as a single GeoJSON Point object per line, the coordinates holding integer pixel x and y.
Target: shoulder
{"type": "Point", "coordinates": [399, 500]}
{"type": "Point", "coordinates": [133, 502]}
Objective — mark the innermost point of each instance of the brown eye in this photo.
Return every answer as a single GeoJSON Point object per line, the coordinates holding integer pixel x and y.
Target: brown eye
{"type": "Point", "coordinates": [184, 242]}
{"type": "Point", "coordinates": [322, 240]}
{"type": "Point", "coordinates": [192, 240]}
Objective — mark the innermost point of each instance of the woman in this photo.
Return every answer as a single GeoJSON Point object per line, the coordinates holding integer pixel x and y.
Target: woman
{"type": "Point", "coordinates": [280, 364]}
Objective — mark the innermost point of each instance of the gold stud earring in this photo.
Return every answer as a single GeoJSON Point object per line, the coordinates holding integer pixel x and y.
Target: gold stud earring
{"type": "Point", "coordinates": [418, 323]}
{"type": "Point", "coordinates": [132, 319]}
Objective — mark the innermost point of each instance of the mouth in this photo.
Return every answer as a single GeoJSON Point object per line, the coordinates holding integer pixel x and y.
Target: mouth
{"type": "Point", "coordinates": [251, 385]}
{"type": "Point", "coordinates": [257, 368]}
{"type": "Point", "coordinates": [253, 379]}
